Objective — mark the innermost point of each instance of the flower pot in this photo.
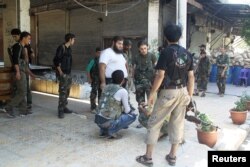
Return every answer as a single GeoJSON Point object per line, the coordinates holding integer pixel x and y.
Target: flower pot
{"type": "Point", "coordinates": [207, 138]}
{"type": "Point", "coordinates": [238, 117]}
{"type": "Point", "coordinates": [248, 105]}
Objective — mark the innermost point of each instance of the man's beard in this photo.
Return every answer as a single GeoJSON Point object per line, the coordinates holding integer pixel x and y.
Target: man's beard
{"type": "Point", "coordinates": [116, 50]}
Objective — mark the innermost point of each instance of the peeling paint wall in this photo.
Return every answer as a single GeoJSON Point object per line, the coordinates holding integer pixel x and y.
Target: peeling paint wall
{"type": "Point", "coordinates": [24, 15]}
{"type": "Point", "coordinates": [9, 21]}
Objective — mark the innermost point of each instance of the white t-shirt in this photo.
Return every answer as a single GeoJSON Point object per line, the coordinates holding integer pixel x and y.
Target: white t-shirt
{"type": "Point", "coordinates": [113, 62]}
{"type": "Point", "coordinates": [122, 95]}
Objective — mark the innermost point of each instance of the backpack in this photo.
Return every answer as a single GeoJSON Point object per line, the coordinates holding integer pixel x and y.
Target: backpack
{"type": "Point", "coordinates": [181, 63]}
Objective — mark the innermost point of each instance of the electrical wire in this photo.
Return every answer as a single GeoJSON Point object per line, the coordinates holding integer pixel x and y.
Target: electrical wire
{"type": "Point", "coordinates": [94, 10]}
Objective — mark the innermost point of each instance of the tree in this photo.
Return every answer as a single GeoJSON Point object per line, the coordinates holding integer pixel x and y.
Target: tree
{"type": "Point", "coordinates": [245, 33]}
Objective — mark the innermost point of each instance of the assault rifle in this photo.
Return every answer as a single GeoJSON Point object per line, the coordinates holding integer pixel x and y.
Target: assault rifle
{"type": "Point", "coordinates": [194, 118]}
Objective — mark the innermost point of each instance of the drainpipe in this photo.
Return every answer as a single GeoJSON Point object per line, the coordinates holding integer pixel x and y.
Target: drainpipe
{"type": "Point", "coordinates": [181, 19]}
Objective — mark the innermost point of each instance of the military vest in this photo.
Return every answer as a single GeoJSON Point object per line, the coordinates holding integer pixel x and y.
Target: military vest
{"type": "Point", "coordinates": [144, 71]}
{"type": "Point", "coordinates": [108, 106]}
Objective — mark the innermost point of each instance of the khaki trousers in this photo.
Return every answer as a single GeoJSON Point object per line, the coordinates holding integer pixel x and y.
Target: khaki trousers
{"type": "Point", "coordinates": [171, 103]}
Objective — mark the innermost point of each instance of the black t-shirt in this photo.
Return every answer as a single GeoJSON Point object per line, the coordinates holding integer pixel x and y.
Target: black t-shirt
{"type": "Point", "coordinates": [165, 62]}
{"type": "Point", "coordinates": [63, 58]}
{"type": "Point", "coordinates": [17, 49]}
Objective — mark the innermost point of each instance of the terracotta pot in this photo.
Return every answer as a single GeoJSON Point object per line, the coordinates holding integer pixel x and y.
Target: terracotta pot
{"type": "Point", "coordinates": [238, 117]}
{"type": "Point", "coordinates": [207, 138]}
{"type": "Point", "coordinates": [248, 105]}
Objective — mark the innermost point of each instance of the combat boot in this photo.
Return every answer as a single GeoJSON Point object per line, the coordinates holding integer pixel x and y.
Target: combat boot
{"type": "Point", "coordinates": [67, 111]}
{"type": "Point", "coordinates": [60, 114]}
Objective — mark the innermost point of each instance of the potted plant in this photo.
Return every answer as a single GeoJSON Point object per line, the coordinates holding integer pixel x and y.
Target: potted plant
{"type": "Point", "coordinates": [246, 97]}
{"type": "Point", "coordinates": [206, 131]}
{"type": "Point", "coordinates": [239, 112]}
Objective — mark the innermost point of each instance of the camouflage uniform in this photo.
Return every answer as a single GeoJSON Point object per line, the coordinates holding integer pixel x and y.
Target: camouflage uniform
{"type": "Point", "coordinates": [144, 75]}
{"type": "Point", "coordinates": [95, 84]}
{"type": "Point", "coordinates": [63, 59]}
{"type": "Point", "coordinates": [221, 81]}
{"type": "Point", "coordinates": [65, 82]}
{"type": "Point", "coordinates": [203, 74]}
{"type": "Point", "coordinates": [18, 99]}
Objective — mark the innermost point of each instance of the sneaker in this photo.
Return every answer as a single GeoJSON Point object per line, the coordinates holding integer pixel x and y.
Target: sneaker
{"type": "Point", "coordinates": [221, 95]}
{"type": "Point", "coordinates": [68, 111]}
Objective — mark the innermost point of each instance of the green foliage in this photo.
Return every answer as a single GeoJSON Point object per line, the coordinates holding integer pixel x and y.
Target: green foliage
{"type": "Point", "coordinates": [206, 123]}
{"type": "Point", "coordinates": [245, 96]}
{"type": "Point", "coordinates": [241, 104]}
{"type": "Point", "coordinates": [246, 31]}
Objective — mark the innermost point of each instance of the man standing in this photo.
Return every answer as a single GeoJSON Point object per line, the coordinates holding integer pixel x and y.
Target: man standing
{"type": "Point", "coordinates": [203, 73]}
{"type": "Point", "coordinates": [112, 59]}
{"type": "Point", "coordinates": [143, 71]}
{"type": "Point", "coordinates": [175, 64]}
{"type": "Point", "coordinates": [18, 60]}
{"type": "Point", "coordinates": [93, 79]}
{"type": "Point", "coordinates": [222, 62]}
{"type": "Point", "coordinates": [63, 64]}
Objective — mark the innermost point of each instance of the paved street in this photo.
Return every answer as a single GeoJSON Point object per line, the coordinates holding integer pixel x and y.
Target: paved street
{"type": "Point", "coordinates": [43, 140]}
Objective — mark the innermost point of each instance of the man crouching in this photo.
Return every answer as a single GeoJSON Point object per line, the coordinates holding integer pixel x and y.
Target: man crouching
{"type": "Point", "coordinates": [114, 112]}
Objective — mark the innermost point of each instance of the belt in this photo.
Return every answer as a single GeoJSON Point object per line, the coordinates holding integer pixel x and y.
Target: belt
{"type": "Point", "coordinates": [173, 87]}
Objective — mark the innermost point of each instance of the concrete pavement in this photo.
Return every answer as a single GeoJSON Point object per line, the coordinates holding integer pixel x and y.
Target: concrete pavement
{"type": "Point", "coordinates": [43, 140]}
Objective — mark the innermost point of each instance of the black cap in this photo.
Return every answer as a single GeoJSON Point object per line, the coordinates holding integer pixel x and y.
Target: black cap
{"type": "Point", "coordinates": [202, 45]}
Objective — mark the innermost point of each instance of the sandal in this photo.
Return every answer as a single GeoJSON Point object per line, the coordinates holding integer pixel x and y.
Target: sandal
{"type": "Point", "coordinates": [144, 160]}
{"type": "Point", "coordinates": [171, 161]}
